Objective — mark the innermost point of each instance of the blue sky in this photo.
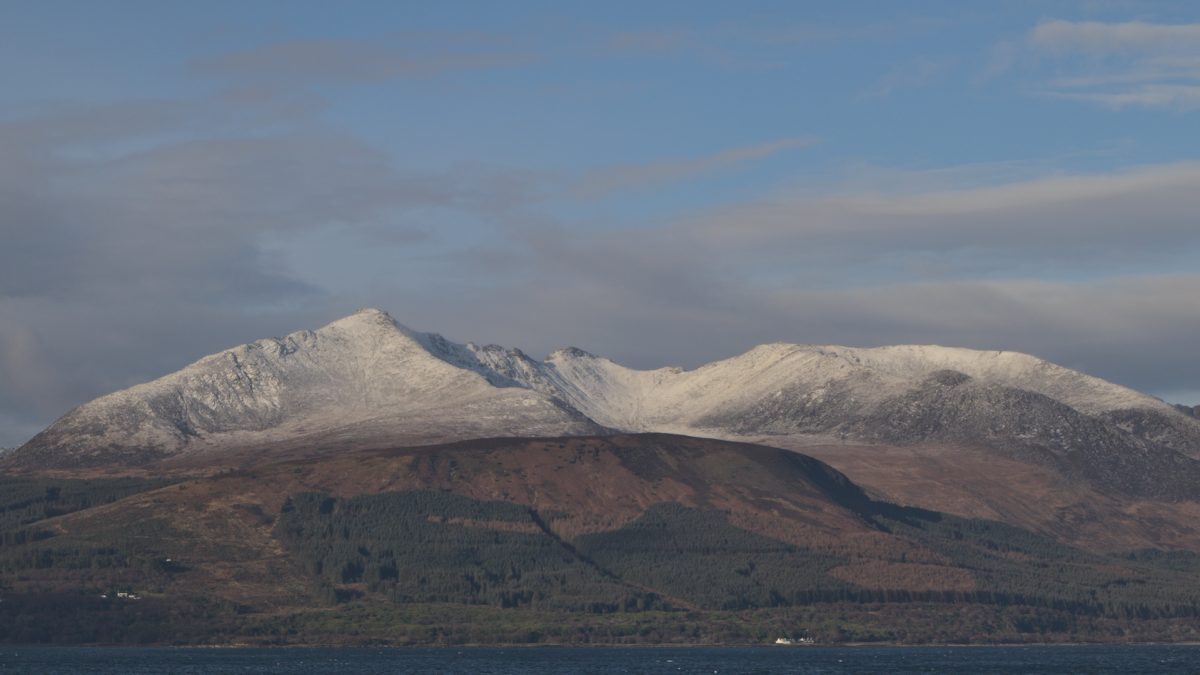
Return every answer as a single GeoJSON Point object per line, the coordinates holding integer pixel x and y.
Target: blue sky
{"type": "Point", "coordinates": [664, 184]}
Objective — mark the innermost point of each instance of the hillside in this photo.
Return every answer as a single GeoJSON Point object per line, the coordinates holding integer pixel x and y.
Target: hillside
{"type": "Point", "coordinates": [617, 539]}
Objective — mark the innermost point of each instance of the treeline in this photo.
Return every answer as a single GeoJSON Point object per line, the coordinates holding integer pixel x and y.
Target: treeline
{"type": "Point", "coordinates": [24, 501]}
{"type": "Point", "coordinates": [422, 547]}
{"type": "Point", "coordinates": [1013, 566]}
{"type": "Point", "coordinates": [698, 556]}
{"type": "Point", "coordinates": [27, 544]}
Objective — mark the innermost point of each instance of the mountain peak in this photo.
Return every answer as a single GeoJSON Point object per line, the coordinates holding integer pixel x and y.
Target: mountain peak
{"type": "Point", "coordinates": [370, 314]}
{"type": "Point", "coordinates": [569, 353]}
{"type": "Point", "coordinates": [369, 318]}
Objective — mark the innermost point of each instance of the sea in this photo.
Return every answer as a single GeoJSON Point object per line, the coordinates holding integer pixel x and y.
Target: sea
{"type": "Point", "coordinates": [569, 661]}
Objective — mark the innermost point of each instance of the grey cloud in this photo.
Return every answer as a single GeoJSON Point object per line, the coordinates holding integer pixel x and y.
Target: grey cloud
{"type": "Point", "coordinates": [1088, 217]}
{"type": "Point", "coordinates": [188, 213]}
{"type": "Point", "coordinates": [644, 307]}
{"type": "Point", "coordinates": [137, 240]}
{"type": "Point", "coordinates": [717, 283]}
{"type": "Point", "coordinates": [64, 125]}
{"type": "Point", "coordinates": [613, 178]}
{"type": "Point", "coordinates": [55, 354]}
{"type": "Point", "coordinates": [98, 127]}
{"type": "Point", "coordinates": [194, 210]}
{"type": "Point", "coordinates": [1136, 331]}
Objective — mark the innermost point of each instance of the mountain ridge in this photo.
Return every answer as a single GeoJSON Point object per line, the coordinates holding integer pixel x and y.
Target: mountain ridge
{"type": "Point", "coordinates": [367, 379]}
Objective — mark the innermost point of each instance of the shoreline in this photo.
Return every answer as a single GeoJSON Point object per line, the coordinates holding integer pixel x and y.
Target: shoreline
{"type": "Point", "coordinates": [764, 646]}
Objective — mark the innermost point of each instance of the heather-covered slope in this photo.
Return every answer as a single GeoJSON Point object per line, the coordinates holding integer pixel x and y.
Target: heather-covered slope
{"type": "Point", "coordinates": [582, 539]}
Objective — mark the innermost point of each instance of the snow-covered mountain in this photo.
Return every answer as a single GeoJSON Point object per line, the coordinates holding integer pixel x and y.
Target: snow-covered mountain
{"type": "Point", "coordinates": [367, 379]}
{"type": "Point", "coordinates": [363, 376]}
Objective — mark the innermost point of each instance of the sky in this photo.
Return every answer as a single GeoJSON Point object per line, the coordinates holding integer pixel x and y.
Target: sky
{"type": "Point", "coordinates": [663, 183]}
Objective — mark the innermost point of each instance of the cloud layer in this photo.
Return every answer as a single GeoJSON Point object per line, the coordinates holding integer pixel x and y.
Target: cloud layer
{"type": "Point", "coordinates": [162, 254]}
{"type": "Point", "coordinates": [282, 183]}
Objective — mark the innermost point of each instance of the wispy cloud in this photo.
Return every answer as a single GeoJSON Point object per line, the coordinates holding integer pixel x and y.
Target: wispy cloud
{"type": "Point", "coordinates": [1177, 96]}
{"type": "Point", "coordinates": [347, 61]}
{"type": "Point", "coordinates": [1132, 64]}
{"type": "Point", "coordinates": [651, 41]}
{"type": "Point", "coordinates": [1039, 219]}
{"type": "Point", "coordinates": [627, 176]}
{"type": "Point", "coordinates": [725, 46]}
{"type": "Point", "coordinates": [758, 44]}
{"type": "Point", "coordinates": [913, 74]}
{"type": "Point", "coordinates": [1107, 38]}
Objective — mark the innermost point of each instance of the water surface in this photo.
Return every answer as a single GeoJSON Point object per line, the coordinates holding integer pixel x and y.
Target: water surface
{"type": "Point", "coordinates": [571, 661]}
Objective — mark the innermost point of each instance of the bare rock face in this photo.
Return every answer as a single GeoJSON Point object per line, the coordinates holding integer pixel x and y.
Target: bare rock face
{"type": "Point", "coordinates": [1190, 411]}
{"type": "Point", "coordinates": [367, 378]}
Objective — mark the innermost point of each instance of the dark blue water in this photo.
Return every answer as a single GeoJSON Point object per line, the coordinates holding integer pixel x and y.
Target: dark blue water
{"type": "Point", "coordinates": [568, 661]}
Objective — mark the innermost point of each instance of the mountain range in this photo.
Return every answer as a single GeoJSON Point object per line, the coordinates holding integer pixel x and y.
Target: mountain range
{"type": "Point", "coordinates": [970, 431]}
{"type": "Point", "coordinates": [368, 379]}
{"type": "Point", "coordinates": [365, 479]}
